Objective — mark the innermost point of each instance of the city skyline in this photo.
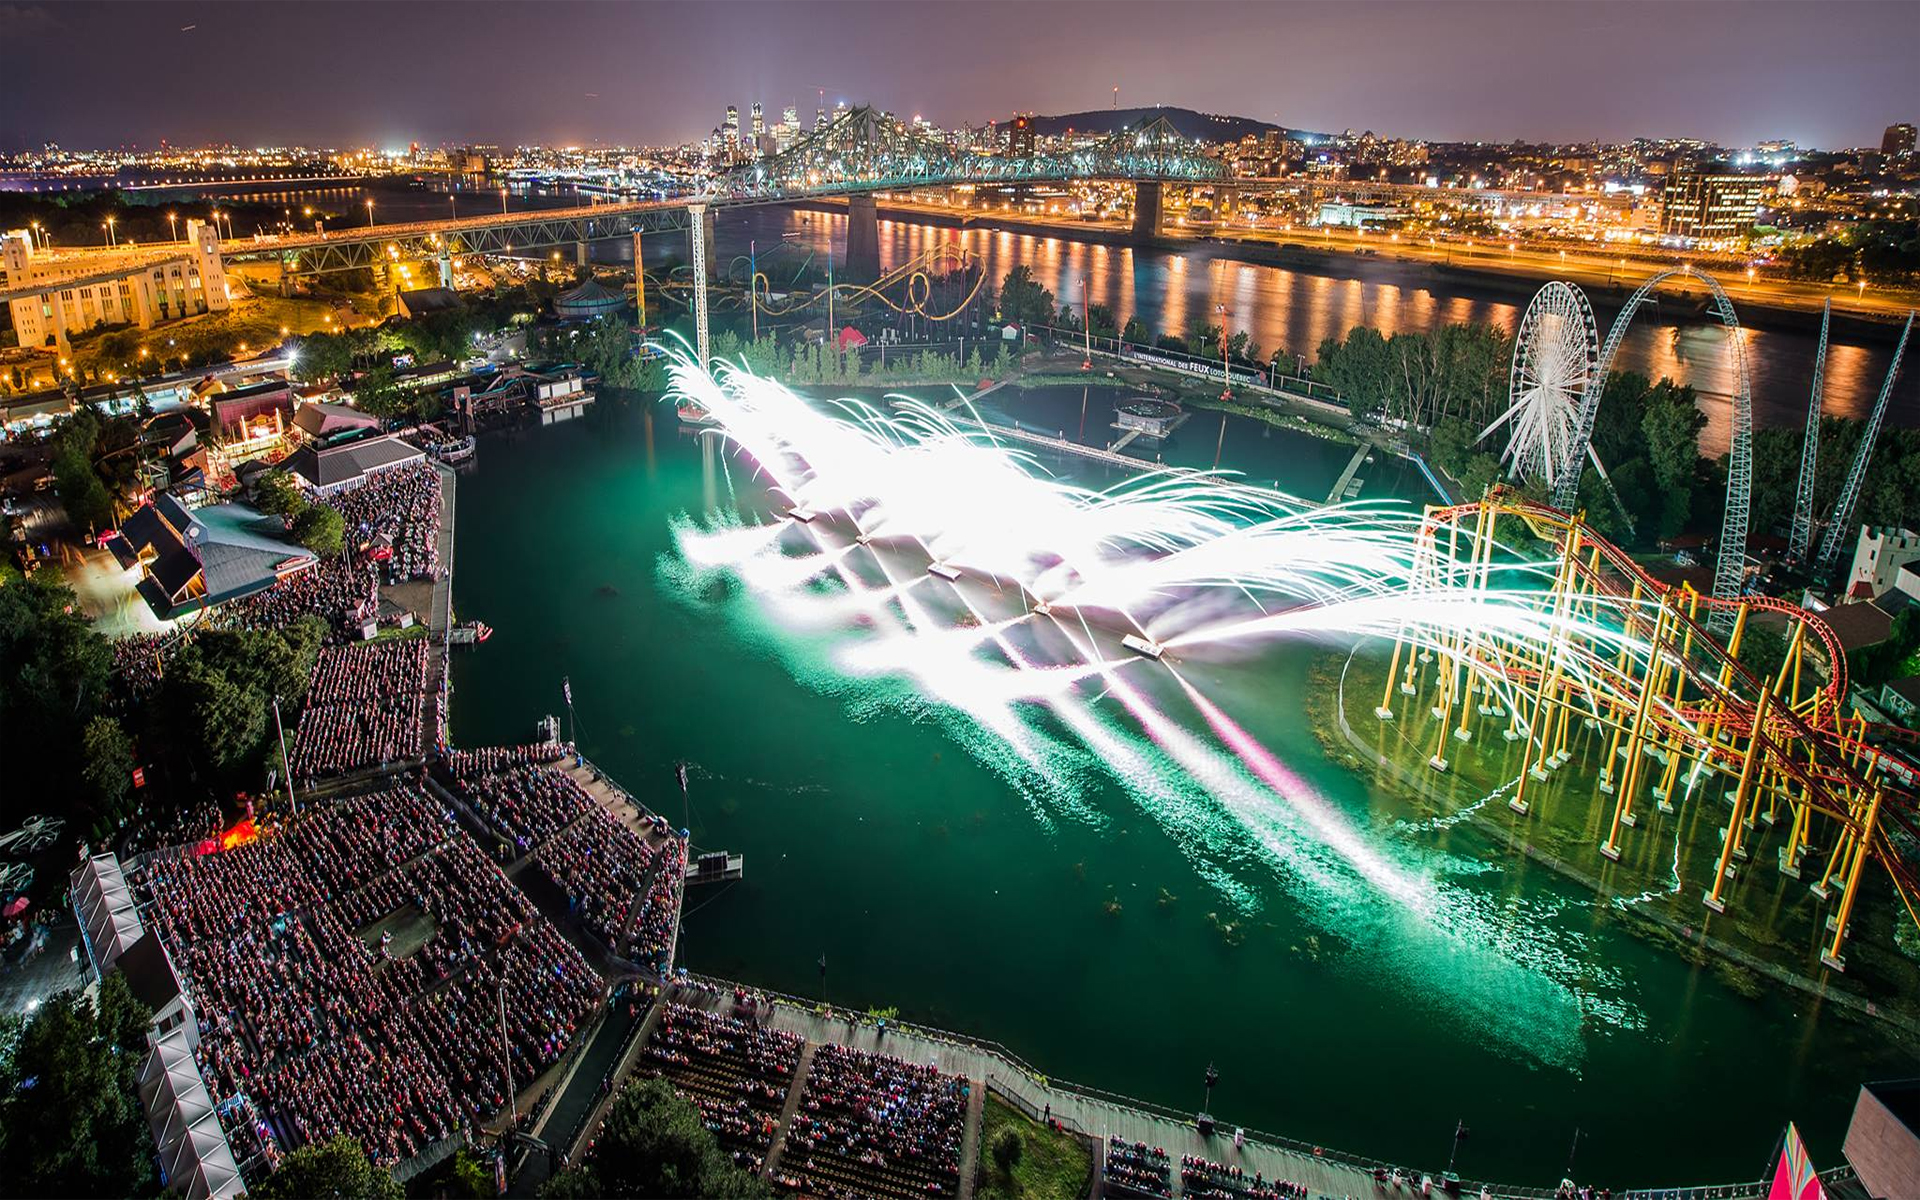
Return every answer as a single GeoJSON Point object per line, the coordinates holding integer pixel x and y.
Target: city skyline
{"type": "Point", "coordinates": [1730, 73]}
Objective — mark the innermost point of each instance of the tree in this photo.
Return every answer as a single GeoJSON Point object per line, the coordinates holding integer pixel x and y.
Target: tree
{"type": "Point", "coordinates": [320, 529]}
{"type": "Point", "coordinates": [55, 670]}
{"type": "Point", "coordinates": [654, 1144]}
{"type": "Point", "coordinates": [275, 492]}
{"type": "Point", "coordinates": [71, 1123]}
{"type": "Point", "coordinates": [1135, 332]}
{"type": "Point", "coordinates": [106, 767]}
{"type": "Point", "coordinates": [336, 1168]}
{"type": "Point", "coordinates": [1672, 426]}
{"type": "Point", "coordinates": [1023, 300]}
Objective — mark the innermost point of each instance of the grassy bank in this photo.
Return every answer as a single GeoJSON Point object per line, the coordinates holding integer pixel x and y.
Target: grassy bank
{"type": "Point", "coordinates": [1024, 1160]}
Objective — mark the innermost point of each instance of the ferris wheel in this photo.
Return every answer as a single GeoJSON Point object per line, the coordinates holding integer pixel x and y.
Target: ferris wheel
{"type": "Point", "coordinates": [1555, 355]}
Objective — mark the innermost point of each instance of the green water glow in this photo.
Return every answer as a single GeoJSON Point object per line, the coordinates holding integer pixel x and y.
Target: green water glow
{"type": "Point", "coordinates": [1102, 882]}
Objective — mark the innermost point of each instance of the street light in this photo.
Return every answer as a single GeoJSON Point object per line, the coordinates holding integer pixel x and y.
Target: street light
{"type": "Point", "coordinates": [173, 227]}
{"type": "Point", "coordinates": [453, 206]}
{"type": "Point", "coordinates": [503, 202]}
{"type": "Point", "coordinates": [369, 214]}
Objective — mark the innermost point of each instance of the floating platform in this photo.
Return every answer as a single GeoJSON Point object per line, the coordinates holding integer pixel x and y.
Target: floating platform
{"type": "Point", "coordinates": [719, 866]}
{"type": "Point", "coordinates": [1142, 646]}
{"type": "Point", "coordinates": [944, 572]}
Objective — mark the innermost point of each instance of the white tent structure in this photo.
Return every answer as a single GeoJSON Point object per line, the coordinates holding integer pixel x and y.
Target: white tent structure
{"type": "Point", "coordinates": [194, 1154]}
{"type": "Point", "coordinates": [109, 922]}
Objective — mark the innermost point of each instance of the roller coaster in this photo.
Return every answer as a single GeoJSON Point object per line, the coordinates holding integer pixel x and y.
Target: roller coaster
{"type": "Point", "coordinates": [1627, 678]}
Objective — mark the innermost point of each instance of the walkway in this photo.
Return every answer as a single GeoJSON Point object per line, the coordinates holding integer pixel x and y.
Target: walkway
{"type": "Point", "coordinates": [1339, 491]}
{"type": "Point", "coordinates": [1096, 1117]}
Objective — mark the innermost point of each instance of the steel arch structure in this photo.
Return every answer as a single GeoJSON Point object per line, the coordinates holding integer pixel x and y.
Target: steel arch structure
{"type": "Point", "coordinates": [1555, 353]}
{"type": "Point", "coordinates": [1802, 534]}
{"type": "Point", "coordinates": [865, 150]}
{"type": "Point", "coordinates": [1730, 566]}
{"type": "Point", "coordinates": [1857, 473]}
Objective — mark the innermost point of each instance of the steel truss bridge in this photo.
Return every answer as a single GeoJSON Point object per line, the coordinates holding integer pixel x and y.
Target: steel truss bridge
{"type": "Point", "coordinates": [1674, 737]}
{"type": "Point", "coordinates": [861, 152]}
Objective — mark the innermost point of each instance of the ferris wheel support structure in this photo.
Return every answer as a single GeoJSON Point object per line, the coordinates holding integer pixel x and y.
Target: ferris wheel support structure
{"type": "Point", "coordinates": [1730, 568]}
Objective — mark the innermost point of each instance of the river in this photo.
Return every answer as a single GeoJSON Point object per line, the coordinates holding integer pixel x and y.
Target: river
{"type": "Point", "coordinates": [1282, 308]}
{"type": "Point", "coordinates": [1122, 905]}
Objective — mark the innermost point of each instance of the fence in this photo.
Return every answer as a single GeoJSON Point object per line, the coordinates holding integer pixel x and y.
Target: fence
{"type": "Point", "coordinates": [1275, 378]}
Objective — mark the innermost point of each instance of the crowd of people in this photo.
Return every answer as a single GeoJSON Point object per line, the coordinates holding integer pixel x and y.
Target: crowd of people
{"type": "Point", "coordinates": [1137, 1169]}
{"type": "Point", "coordinates": [343, 592]}
{"type": "Point", "coordinates": [604, 868]}
{"type": "Point", "coordinates": [734, 1071]}
{"type": "Point", "coordinates": [877, 1125]}
{"type": "Point", "coordinates": [394, 519]}
{"type": "Point", "coordinates": [322, 1033]}
{"type": "Point", "coordinates": [517, 792]}
{"type": "Point", "coordinates": [622, 884]}
{"type": "Point", "coordinates": [1205, 1180]}
{"type": "Point", "coordinates": [366, 706]}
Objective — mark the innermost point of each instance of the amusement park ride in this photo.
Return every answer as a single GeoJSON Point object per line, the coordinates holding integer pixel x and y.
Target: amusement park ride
{"type": "Point", "coordinates": [1653, 669]}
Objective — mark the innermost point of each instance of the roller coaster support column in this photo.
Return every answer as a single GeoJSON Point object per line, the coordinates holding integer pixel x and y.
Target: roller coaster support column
{"type": "Point", "coordinates": [698, 232]}
{"type": "Point", "coordinates": [863, 240]}
{"type": "Point", "coordinates": [1549, 669]}
{"type": "Point", "coordinates": [1756, 738]}
{"type": "Point", "coordinates": [1663, 791]}
{"type": "Point", "coordinates": [1623, 800]}
{"type": "Point", "coordinates": [1623, 667]}
{"type": "Point", "coordinates": [1831, 959]}
{"type": "Point", "coordinates": [1482, 553]}
{"type": "Point", "coordinates": [1146, 210]}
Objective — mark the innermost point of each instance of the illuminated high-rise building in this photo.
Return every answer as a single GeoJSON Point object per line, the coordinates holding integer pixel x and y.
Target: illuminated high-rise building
{"type": "Point", "coordinates": [759, 122]}
{"type": "Point", "coordinates": [730, 132]}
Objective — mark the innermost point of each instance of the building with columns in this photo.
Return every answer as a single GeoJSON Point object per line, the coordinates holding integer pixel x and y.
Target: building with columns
{"type": "Point", "coordinates": [78, 298]}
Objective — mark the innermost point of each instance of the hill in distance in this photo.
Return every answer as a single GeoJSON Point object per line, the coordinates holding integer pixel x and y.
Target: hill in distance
{"type": "Point", "coordinates": [1207, 127]}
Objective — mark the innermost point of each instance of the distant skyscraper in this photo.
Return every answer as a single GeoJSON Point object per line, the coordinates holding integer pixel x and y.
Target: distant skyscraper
{"type": "Point", "coordinates": [820, 118]}
{"type": "Point", "coordinates": [790, 117]}
{"type": "Point", "coordinates": [1898, 139]}
{"type": "Point", "coordinates": [759, 122]}
{"type": "Point", "coordinates": [731, 130]}
{"type": "Point", "coordinates": [1020, 136]}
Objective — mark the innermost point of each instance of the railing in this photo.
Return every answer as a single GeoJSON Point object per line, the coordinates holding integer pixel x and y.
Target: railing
{"type": "Point", "coordinates": [1272, 377]}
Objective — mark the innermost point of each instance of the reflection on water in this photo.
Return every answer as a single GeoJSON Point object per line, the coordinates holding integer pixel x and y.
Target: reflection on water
{"type": "Point", "coordinates": [1298, 310]}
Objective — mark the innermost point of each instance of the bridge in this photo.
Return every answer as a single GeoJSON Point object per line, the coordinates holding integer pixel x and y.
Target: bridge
{"type": "Point", "coordinates": [860, 153]}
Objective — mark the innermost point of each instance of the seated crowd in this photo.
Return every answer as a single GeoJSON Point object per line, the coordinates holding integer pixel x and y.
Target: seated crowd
{"type": "Point", "coordinates": [1137, 1169]}
{"type": "Point", "coordinates": [518, 794]}
{"type": "Point", "coordinates": [394, 518]}
{"type": "Point", "coordinates": [342, 592]}
{"type": "Point", "coordinates": [365, 707]}
{"type": "Point", "coordinates": [872, 1124]}
{"type": "Point", "coordinates": [1206, 1180]}
{"type": "Point", "coordinates": [735, 1072]}
{"type": "Point", "coordinates": [320, 1032]}
{"type": "Point", "coordinates": [623, 886]}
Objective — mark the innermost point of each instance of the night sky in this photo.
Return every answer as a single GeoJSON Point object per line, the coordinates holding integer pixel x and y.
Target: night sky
{"type": "Point", "coordinates": [93, 75]}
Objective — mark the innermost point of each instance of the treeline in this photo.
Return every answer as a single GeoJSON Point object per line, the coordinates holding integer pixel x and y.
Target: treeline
{"type": "Point", "coordinates": [1420, 379]}
{"type": "Point", "coordinates": [1025, 301]}
{"type": "Point", "coordinates": [1889, 495]}
{"type": "Point", "coordinates": [1883, 252]}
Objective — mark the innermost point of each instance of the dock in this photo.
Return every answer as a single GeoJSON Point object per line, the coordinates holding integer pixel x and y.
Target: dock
{"type": "Point", "coordinates": [717, 866]}
{"type": "Point", "coordinates": [1346, 487]}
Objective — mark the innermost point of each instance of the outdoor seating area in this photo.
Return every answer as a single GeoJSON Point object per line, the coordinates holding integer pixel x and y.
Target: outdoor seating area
{"type": "Point", "coordinates": [323, 1028]}
{"type": "Point", "coordinates": [736, 1072]}
{"type": "Point", "coordinates": [1137, 1169]}
{"type": "Point", "coordinates": [1207, 1180]}
{"type": "Point", "coordinates": [875, 1125]}
{"type": "Point", "coordinates": [365, 708]}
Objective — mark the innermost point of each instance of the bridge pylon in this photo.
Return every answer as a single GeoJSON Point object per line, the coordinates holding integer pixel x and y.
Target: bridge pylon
{"type": "Point", "coordinates": [863, 241]}
{"type": "Point", "coordinates": [1146, 210]}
